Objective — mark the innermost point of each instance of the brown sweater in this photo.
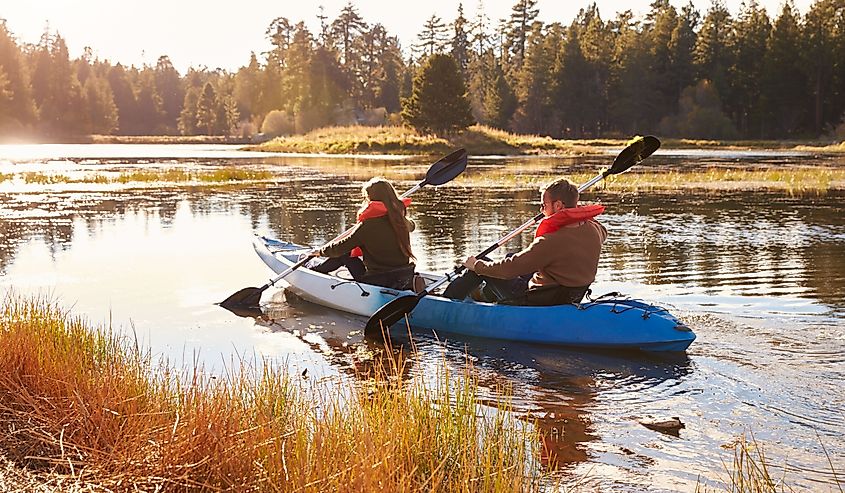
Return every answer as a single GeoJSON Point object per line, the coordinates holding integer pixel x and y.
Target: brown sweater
{"type": "Point", "coordinates": [377, 240]}
{"type": "Point", "coordinates": [567, 257]}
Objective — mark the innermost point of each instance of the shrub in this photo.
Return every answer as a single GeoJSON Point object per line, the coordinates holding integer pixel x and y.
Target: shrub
{"type": "Point", "coordinates": [277, 123]}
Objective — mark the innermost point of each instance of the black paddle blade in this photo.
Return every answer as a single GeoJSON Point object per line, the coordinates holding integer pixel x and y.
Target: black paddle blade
{"type": "Point", "coordinates": [447, 168]}
{"type": "Point", "coordinates": [638, 149]}
{"type": "Point", "coordinates": [391, 313]}
{"type": "Point", "coordinates": [246, 297]}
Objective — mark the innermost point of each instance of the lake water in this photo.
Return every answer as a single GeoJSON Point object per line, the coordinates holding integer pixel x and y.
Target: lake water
{"type": "Point", "coordinates": [760, 277]}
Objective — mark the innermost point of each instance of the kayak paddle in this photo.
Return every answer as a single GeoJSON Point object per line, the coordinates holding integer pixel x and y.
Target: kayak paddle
{"type": "Point", "coordinates": [443, 171]}
{"type": "Point", "coordinates": [393, 311]}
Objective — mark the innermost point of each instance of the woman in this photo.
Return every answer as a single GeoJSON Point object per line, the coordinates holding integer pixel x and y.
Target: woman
{"type": "Point", "coordinates": [382, 237]}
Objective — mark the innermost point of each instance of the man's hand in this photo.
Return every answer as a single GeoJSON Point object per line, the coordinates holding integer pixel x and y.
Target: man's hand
{"type": "Point", "coordinates": [315, 253]}
{"type": "Point", "coordinates": [470, 262]}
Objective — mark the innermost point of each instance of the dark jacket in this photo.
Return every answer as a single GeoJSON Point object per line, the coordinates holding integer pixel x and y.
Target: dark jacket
{"type": "Point", "coordinates": [378, 242]}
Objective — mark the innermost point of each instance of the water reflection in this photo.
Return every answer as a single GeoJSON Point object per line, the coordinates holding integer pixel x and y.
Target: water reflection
{"type": "Point", "coordinates": [760, 278]}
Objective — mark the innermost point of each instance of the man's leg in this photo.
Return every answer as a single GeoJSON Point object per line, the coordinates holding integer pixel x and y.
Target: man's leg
{"type": "Point", "coordinates": [462, 285]}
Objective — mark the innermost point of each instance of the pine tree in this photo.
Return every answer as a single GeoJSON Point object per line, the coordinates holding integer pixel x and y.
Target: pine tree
{"type": "Point", "coordinates": [247, 90]}
{"type": "Point", "coordinates": [328, 88]}
{"type": "Point", "coordinates": [819, 51]}
{"type": "Point", "coordinates": [784, 83]}
{"type": "Point", "coordinates": [18, 106]}
{"type": "Point", "coordinates": [596, 40]}
{"type": "Point", "coordinates": [345, 30]}
{"type": "Point", "coordinates": [433, 38]}
{"type": "Point", "coordinates": [519, 26]}
{"type": "Point", "coordinates": [59, 97]}
{"type": "Point", "coordinates": [102, 112]}
{"type": "Point", "coordinates": [711, 53]}
{"type": "Point", "coordinates": [168, 86]}
{"type": "Point", "coordinates": [533, 85]}
{"type": "Point", "coordinates": [460, 41]}
{"type": "Point", "coordinates": [630, 79]}
{"type": "Point", "coordinates": [149, 113]}
{"type": "Point", "coordinates": [346, 36]}
{"type": "Point", "coordinates": [207, 109]}
{"type": "Point", "coordinates": [748, 45]}
{"type": "Point", "coordinates": [500, 102]}
{"type": "Point", "coordinates": [296, 78]}
{"type": "Point", "coordinates": [124, 99]}
{"type": "Point", "coordinates": [438, 102]}
{"type": "Point", "coordinates": [188, 117]}
{"type": "Point", "coordinates": [681, 46]}
{"type": "Point", "coordinates": [383, 70]}
{"type": "Point", "coordinates": [280, 33]}
{"type": "Point", "coordinates": [658, 28]}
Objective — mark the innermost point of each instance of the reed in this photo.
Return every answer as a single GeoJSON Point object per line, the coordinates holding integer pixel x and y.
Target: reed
{"type": "Point", "coordinates": [85, 403]}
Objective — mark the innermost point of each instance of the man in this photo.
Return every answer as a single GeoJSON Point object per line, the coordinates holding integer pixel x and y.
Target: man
{"type": "Point", "coordinates": [562, 260]}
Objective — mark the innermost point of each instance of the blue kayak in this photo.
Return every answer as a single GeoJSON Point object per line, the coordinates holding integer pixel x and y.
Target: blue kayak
{"type": "Point", "coordinates": [607, 322]}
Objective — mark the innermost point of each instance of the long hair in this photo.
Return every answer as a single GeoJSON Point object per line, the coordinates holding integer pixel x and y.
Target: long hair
{"type": "Point", "coordinates": [381, 190]}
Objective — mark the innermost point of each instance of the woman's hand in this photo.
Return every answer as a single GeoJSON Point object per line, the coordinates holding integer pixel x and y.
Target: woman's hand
{"type": "Point", "coordinates": [315, 253]}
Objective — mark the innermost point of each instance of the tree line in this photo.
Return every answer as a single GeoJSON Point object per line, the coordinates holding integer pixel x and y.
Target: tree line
{"type": "Point", "coordinates": [674, 72]}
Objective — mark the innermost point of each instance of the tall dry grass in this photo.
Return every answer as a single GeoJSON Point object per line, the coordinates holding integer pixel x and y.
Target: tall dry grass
{"type": "Point", "coordinates": [85, 403]}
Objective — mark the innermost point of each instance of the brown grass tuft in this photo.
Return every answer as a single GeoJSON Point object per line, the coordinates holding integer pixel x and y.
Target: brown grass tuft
{"type": "Point", "coordinates": [83, 403]}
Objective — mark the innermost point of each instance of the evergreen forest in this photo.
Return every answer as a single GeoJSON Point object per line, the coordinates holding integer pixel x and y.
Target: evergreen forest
{"type": "Point", "coordinates": [676, 72]}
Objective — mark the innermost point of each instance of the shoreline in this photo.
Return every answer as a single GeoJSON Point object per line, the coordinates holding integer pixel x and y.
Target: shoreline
{"type": "Point", "coordinates": [478, 140]}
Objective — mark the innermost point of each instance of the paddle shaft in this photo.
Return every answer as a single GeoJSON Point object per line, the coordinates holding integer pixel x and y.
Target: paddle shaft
{"type": "Point", "coordinates": [504, 239]}
{"type": "Point", "coordinates": [346, 233]}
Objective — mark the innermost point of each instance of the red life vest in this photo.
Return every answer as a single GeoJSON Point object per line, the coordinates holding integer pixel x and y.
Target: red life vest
{"type": "Point", "coordinates": [375, 208]}
{"type": "Point", "coordinates": [570, 215]}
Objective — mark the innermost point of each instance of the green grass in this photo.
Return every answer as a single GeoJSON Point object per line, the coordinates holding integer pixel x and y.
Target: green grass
{"type": "Point", "coordinates": [82, 402]}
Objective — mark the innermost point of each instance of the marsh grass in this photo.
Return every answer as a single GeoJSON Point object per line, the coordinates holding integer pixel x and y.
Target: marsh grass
{"type": "Point", "coordinates": [792, 180]}
{"type": "Point", "coordinates": [84, 403]}
{"type": "Point", "coordinates": [478, 140]}
{"type": "Point", "coordinates": [809, 180]}
{"type": "Point", "coordinates": [222, 175]}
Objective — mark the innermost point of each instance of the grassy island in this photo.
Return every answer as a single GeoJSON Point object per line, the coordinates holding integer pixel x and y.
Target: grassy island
{"type": "Point", "coordinates": [481, 140]}
{"type": "Point", "coordinates": [478, 140]}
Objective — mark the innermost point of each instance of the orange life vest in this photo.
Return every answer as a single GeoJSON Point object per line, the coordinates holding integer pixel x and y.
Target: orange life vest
{"type": "Point", "coordinates": [570, 215]}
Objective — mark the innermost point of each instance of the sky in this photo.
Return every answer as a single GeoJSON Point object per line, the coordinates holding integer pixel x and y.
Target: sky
{"type": "Point", "coordinates": [216, 34]}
